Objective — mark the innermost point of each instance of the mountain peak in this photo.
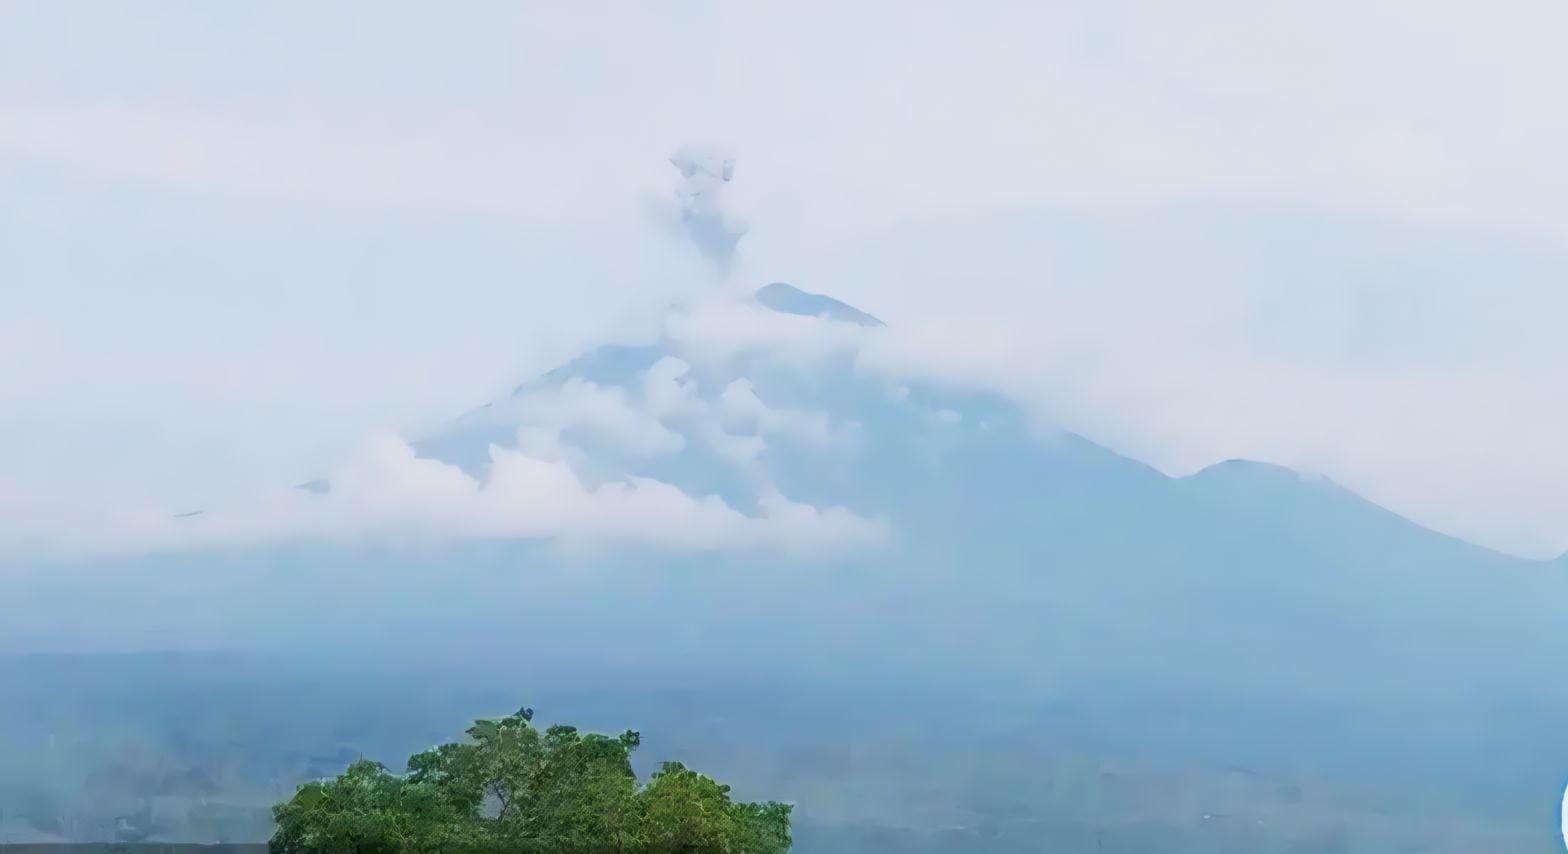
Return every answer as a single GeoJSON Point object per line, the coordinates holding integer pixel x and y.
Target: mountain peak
{"type": "Point", "coordinates": [788, 299]}
{"type": "Point", "coordinates": [1249, 477]}
{"type": "Point", "coordinates": [1238, 468]}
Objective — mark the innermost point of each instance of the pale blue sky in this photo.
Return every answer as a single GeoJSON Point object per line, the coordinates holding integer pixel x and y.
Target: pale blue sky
{"type": "Point", "coordinates": [236, 238]}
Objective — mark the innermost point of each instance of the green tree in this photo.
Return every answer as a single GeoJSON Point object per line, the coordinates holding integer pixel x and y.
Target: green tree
{"type": "Point", "coordinates": [514, 788]}
{"type": "Point", "coordinates": [685, 811]}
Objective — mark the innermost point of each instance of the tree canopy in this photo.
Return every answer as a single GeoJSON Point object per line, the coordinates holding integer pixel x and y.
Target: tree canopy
{"type": "Point", "coordinates": [514, 788]}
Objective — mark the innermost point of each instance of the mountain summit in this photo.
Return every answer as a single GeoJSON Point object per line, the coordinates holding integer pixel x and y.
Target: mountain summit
{"type": "Point", "coordinates": [789, 299]}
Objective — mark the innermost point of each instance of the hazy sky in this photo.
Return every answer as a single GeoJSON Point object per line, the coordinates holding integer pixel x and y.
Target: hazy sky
{"type": "Point", "coordinates": [237, 238]}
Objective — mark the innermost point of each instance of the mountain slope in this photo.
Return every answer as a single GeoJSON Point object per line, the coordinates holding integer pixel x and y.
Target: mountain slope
{"type": "Point", "coordinates": [1051, 643]}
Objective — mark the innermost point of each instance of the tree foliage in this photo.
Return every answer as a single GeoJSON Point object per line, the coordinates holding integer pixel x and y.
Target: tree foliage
{"type": "Point", "coordinates": [514, 788]}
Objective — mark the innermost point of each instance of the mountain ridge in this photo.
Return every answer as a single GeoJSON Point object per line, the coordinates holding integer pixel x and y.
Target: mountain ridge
{"type": "Point", "coordinates": [615, 364]}
{"type": "Point", "coordinates": [788, 299]}
{"type": "Point", "coordinates": [1060, 612]}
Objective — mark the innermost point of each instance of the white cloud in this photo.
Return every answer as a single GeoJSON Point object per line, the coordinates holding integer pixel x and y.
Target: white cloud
{"type": "Point", "coordinates": [385, 492]}
{"type": "Point", "coordinates": [724, 328]}
{"type": "Point", "coordinates": [605, 411]}
{"type": "Point", "coordinates": [391, 491]}
{"type": "Point", "coordinates": [742, 408]}
{"type": "Point", "coordinates": [740, 449]}
{"type": "Point", "coordinates": [667, 392]}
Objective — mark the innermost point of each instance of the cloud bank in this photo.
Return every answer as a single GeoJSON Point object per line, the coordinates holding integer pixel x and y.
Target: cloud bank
{"type": "Point", "coordinates": [386, 493]}
{"type": "Point", "coordinates": [568, 473]}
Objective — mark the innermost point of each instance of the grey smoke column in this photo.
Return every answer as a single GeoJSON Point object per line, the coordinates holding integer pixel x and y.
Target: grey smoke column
{"type": "Point", "coordinates": [704, 174]}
